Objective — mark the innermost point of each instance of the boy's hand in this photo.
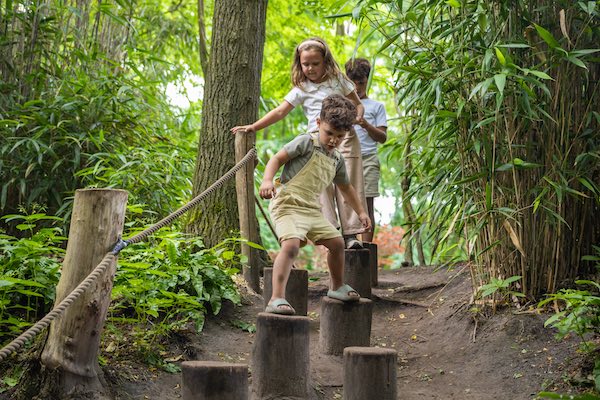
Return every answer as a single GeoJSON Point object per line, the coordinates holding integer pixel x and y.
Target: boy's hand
{"type": "Point", "coordinates": [362, 122]}
{"type": "Point", "coordinates": [242, 129]}
{"type": "Point", "coordinates": [267, 190]}
{"type": "Point", "coordinates": [365, 220]}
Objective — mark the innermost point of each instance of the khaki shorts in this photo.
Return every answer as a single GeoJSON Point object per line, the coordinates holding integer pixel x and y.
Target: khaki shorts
{"type": "Point", "coordinates": [371, 169]}
{"type": "Point", "coordinates": [303, 224]}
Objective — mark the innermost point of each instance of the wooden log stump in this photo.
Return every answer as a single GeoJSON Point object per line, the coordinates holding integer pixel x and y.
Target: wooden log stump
{"type": "Point", "coordinates": [369, 373]}
{"type": "Point", "coordinates": [213, 380]}
{"type": "Point", "coordinates": [344, 325]}
{"type": "Point", "coordinates": [373, 262]}
{"type": "Point", "coordinates": [357, 271]}
{"type": "Point", "coordinates": [296, 291]}
{"type": "Point", "coordinates": [71, 350]}
{"type": "Point", "coordinates": [280, 357]}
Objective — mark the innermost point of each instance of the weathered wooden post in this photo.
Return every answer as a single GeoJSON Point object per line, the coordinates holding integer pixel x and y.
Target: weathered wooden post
{"type": "Point", "coordinates": [296, 290]}
{"type": "Point", "coordinates": [370, 373]}
{"type": "Point", "coordinates": [357, 271]}
{"type": "Point", "coordinates": [71, 351]}
{"type": "Point", "coordinates": [214, 380]}
{"type": "Point", "coordinates": [244, 185]}
{"type": "Point", "coordinates": [280, 358]}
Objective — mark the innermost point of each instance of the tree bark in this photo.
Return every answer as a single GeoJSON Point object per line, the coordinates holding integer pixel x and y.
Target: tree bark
{"type": "Point", "coordinates": [230, 98]}
{"type": "Point", "coordinates": [70, 355]}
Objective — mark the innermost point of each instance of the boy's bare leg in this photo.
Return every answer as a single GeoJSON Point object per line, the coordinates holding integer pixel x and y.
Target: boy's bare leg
{"type": "Point", "coordinates": [282, 266]}
{"type": "Point", "coordinates": [335, 261]}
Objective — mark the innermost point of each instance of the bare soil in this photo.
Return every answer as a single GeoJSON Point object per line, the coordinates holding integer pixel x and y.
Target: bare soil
{"type": "Point", "coordinates": [445, 351]}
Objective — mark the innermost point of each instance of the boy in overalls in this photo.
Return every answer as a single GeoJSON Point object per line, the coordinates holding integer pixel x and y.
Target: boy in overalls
{"type": "Point", "coordinates": [310, 164]}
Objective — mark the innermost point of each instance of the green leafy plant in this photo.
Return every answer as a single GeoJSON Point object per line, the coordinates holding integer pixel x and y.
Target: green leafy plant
{"type": "Point", "coordinates": [585, 396]}
{"type": "Point", "coordinates": [499, 290]}
{"type": "Point", "coordinates": [163, 284]}
{"type": "Point", "coordinates": [29, 271]}
{"type": "Point", "coordinates": [580, 313]}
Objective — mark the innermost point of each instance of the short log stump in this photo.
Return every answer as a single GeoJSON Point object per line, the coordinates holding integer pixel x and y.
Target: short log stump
{"type": "Point", "coordinates": [280, 357]}
{"type": "Point", "coordinates": [296, 291]}
{"type": "Point", "coordinates": [357, 271]}
{"type": "Point", "coordinates": [369, 373]}
{"type": "Point", "coordinates": [344, 325]}
{"type": "Point", "coordinates": [213, 380]}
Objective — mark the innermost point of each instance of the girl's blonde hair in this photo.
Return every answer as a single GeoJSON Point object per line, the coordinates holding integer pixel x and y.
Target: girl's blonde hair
{"type": "Point", "coordinates": [332, 69]}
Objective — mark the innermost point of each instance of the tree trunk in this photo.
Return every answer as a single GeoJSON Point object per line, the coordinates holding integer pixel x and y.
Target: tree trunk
{"type": "Point", "coordinates": [70, 355]}
{"type": "Point", "coordinates": [230, 98]}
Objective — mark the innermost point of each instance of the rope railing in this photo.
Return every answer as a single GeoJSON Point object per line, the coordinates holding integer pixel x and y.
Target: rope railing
{"type": "Point", "coordinates": [110, 257]}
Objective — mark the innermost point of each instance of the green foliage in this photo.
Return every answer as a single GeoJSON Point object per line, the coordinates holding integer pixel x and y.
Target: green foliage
{"type": "Point", "coordinates": [585, 396]}
{"type": "Point", "coordinates": [172, 277]}
{"type": "Point", "coordinates": [501, 143]}
{"type": "Point", "coordinates": [160, 285]}
{"type": "Point", "coordinates": [581, 313]}
{"type": "Point", "coordinates": [29, 272]}
{"type": "Point", "coordinates": [499, 286]}
{"type": "Point", "coordinates": [245, 326]}
{"type": "Point", "coordinates": [82, 109]}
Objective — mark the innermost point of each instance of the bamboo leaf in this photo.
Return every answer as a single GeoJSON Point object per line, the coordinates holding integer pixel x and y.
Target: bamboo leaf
{"type": "Point", "coordinates": [576, 61]}
{"type": "Point", "coordinates": [500, 56]}
{"type": "Point", "coordinates": [500, 80]}
{"type": "Point", "coordinates": [514, 238]}
{"type": "Point", "coordinates": [514, 45]}
{"type": "Point", "coordinates": [583, 52]}
{"type": "Point", "coordinates": [539, 74]}
{"type": "Point", "coordinates": [488, 196]}
{"type": "Point", "coordinates": [547, 37]}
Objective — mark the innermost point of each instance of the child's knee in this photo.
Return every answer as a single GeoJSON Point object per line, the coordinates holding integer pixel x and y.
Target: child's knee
{"type": "Point", "coordinates": [335, 245]}
{"type": "Point", "coordinates": [289, 249]}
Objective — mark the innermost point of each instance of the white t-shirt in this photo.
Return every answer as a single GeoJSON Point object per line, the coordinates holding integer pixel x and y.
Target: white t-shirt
{"type": "Point", "coordinates": [311, 96]}
{"type": "Point", "coordinates": [376, 116]}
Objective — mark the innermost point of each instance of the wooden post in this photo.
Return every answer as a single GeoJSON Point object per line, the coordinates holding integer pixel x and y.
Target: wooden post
{"type": "Point", "coordinates": [71, 350]}
{"type": "Point", "coordinates": [281, 358]}
{"type": "Point", "coordinates": [244, 186]}
{"type": "Point", "coordinates": [370, 373]}
{"type": "Point", "coordinates": [214, 380]}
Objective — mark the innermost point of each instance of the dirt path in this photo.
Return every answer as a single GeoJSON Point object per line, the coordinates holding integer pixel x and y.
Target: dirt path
{"type": "Point", "coordinates": [442, 352]}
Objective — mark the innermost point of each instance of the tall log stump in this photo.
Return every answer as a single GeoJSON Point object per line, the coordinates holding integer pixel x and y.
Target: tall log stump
{"type": "Point", "coordinates": [213, 380]}
{"type": "Point", "coordinates": [280, 357]}
{"type": "Point", "coordinates": [369, 373]}
{"type": "Point", "coordinates": [344, 325]}
{"type": "Point", "coordinates": [357, 271]}
{"type": "Point", "coordinates": [71, 351]}
{"type": "Point", "coordinates": [296, 291]}
{"type": "Point", "coordinates": [373, 262]}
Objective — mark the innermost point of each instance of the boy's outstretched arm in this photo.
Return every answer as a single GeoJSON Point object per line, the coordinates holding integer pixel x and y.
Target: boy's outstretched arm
{"type": "Point", "coordinates": [351, 197]}
{"type": "Point", "coordinates": [275, 115]}
{"type": "Point", "coordinates": [267, 188]}
{"type": "Point", "coordinates": [360, 109]}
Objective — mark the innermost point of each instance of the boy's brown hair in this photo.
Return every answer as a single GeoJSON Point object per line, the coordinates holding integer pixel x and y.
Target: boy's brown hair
{"type": "Point", "coordinates": [338, 111]}
{"type": "Point", "coordinates": [358, 68]}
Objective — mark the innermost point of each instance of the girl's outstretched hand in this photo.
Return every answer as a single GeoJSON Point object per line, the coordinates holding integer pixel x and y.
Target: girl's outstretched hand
{"type": "Point", "coordinates": [267, 190]}
{"type": "Point", "coordinates": [242, 129]}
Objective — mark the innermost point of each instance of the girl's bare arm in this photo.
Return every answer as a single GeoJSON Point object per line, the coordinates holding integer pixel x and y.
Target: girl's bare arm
{"type": "Point", "coordinates": [273, 116]}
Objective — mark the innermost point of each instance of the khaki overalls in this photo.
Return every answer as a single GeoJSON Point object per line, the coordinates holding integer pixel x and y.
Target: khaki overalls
{"type": "Point", "coordinates": [332, 197]}
{"type": "Point", "coordinates": [296, 210]}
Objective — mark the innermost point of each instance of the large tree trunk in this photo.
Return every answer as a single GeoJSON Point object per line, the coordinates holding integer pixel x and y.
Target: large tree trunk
{"type": "Point", "coordinates": [230, 98]}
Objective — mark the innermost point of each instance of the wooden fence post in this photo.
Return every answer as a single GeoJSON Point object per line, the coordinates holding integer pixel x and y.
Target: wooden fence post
{"type": "Point", "coordinates": [71, 350]}
{"type": "Point", "coordinates": [244, 185]}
